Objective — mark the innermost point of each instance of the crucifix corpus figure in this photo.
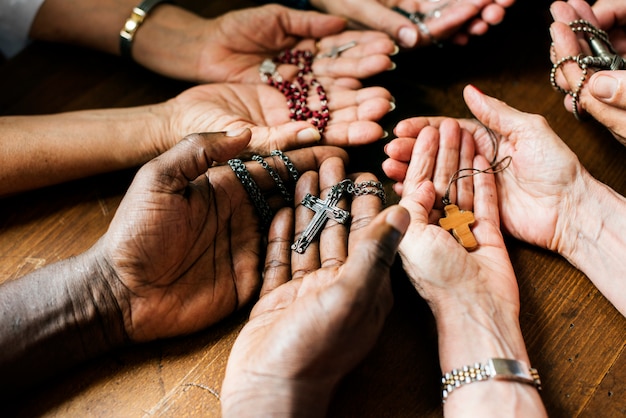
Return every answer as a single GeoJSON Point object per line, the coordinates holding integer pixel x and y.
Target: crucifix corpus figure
{"type": "Point", "coordinates": [458, 221]}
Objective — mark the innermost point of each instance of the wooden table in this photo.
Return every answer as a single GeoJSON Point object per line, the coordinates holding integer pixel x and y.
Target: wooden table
{"type": "Point", "coordinates": [575, 337]}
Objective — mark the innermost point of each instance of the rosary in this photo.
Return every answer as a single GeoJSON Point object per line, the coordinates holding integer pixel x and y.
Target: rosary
{"type": "Point", "coordinates": [604, 58]}
{"type": "Point", "coordinates": [297, 92]}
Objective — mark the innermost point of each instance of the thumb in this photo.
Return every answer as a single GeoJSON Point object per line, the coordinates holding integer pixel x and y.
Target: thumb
{"type": "Point", "coordinates": [371, 259]}
{"type": "Point", "coordinates": [608, 87]}
{"type": "Point", "coordinates": [496, 115]}
{"type": "Point", "coordinates": [309, 24]}
{"type": "Point", "coordinates": [291, 135]}
{"type": "Point", "coordinates": [192, 157]}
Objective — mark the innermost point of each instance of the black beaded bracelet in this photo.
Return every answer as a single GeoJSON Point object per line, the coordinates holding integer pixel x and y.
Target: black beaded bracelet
{"type": "Point", "coordinates": [135, 20]}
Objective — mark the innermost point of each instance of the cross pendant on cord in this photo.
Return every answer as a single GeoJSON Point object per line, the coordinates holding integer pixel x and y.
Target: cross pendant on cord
{"type": "Point", "coordinates": [324, 210]}
{"type": "Point", "coordinates": [458, 221]}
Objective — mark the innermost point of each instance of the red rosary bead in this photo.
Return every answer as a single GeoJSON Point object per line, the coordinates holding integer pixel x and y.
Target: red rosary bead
{"type": "Point", "coordinates": [297, 93]}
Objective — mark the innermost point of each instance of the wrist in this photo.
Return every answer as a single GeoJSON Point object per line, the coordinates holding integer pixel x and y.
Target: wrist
{"type": "Point", "coordinates": [591, 236]}
{"type": "Point", "coordinates": [481, 327]}
{"type": "Point", "coordinates": [250, 395]}
{"type": "Point", "coordinates": [168, 42]}
{"type": "Point", "coordinates": [55, 318]}
{"type": "Point", "coordinates": [476, 332]}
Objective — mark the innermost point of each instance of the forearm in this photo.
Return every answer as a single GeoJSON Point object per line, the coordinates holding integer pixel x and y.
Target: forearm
{"type": "Point", "coordinates": [247, 395]}
{"type": "Point", "coordinates": [53, 319]}
{"type": "Point", "coordinates": [167, 41]}
{"type": "Point", "coordinates": [592, 238]}
{"type": "Point", "coordinates": [472, 333]}
{"type": "Point", "coordinates": [43, 150]}
{"type": "Point", "coordinates": [95, 24]}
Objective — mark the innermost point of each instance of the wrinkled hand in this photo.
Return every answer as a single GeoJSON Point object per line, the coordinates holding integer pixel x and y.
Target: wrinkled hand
{"type": "Point", "coordinates": [473, 295]}
{"type": "Point", "coordinates": [459, 19]}
{"type": "Point", "coordinates": [263, 109]}
{"type": "Point", "coordinates": [320, 312]}
{"type": "Point", "coordinates": [428, 250]}
{"type": "Point", "coordinates": [603, 95]}
{"type": "Point", "coordinates": [184, 248]}
{"type": "Point", "coordinates": [536, 192]}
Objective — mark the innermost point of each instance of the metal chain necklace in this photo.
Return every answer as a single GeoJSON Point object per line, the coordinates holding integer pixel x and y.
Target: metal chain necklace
{"type": "Point", "coordinates": [297, 92]}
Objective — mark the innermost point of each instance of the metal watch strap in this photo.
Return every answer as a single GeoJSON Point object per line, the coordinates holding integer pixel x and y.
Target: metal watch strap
{"type": "Point", "coordinates": [494, 368]}
{"type": "Point", "coordinates": [135, 20]}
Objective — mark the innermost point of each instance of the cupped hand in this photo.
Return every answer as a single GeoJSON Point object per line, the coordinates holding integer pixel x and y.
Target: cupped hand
{"type": "Point", "coordinates": [184, 248]}
{"type": "Point", "coordinates": [440, 268]}
{"type": "Point", "coordinates": [263, 109]}
{"type": "Point", "coordinates": [320, 312]}
{"type": "Point", "coordinates": [231, 47]}
{"type": "Point", "coordinates": [540, 187]}
{"type": "Point", "coordinates": [603, 93]}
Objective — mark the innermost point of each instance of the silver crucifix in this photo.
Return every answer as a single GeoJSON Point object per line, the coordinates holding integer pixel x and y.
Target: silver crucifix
{"type": "Point", "coordinates": [335, 51]}
{"type": "Point", "coordinates": [604, 57]}
{"type": "Point", "coordinates": [324, 210]}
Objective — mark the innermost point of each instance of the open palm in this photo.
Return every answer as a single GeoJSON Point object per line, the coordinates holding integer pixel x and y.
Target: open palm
{"type": "Point", "coordinates": [263, 109]}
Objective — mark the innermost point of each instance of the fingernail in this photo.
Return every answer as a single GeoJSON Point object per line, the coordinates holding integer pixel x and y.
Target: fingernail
{"type": "Point", "coordinates": [408, 37]}
{"type": "Point", "coordinates": [392, 67]}
{"type": "Point", "coordinates": [396, 50]}
{"type": "Point", "coordinates": [385, 135]}
{"type": "Point", "coordinates": [477, 89]}
{"type": "Point", "coordinates": [392, 106]}
{"type": "Point", "coordinates": [604, 87]}
{"type": "Point", "coordinates": [308, 135]}
{"type": "Point", "coordinates": [235, 132]}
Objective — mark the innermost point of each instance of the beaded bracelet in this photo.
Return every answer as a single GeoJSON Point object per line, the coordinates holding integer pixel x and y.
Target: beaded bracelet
{"type": "Point", "coordinates": [138, 15]}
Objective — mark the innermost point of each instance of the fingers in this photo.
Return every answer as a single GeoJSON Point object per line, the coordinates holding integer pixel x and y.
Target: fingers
{"type": "Point", "coordinates": [400, 149]}
{"type": "Point", "coordinates": [370, 55]}
{"type": "Point", "coordinates": [422, 165]}
{"type": "Point", "coordinates": [278, 257]}
{"type": "Point", "coordinates": [487, 225]}
{"type": "Point", "coordinates": [451, 19]}
{"type": "Point", "coordinates": [376, 16]}
{"type": "Point", "coordinates": [364, 207]}
{"type": "Point", "coordinates": [394, 169]}
{"type": "Point", "coordinates": [333, 240]}
{"type": "Point", "coordinates": [412, 126]}
{"type": "Point", "coordinates": [308, 24]}
{"type": "Point", "coordinates": [328, 243]}
{"type": "Point", "coordinates": [366, 272]}
{"type": "Point", "coordinates": [303, 160]}
{"type": "Point", "coordinates": [352, 121]}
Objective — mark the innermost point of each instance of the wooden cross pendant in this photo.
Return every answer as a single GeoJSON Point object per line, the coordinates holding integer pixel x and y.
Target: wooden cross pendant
{"type": "Point", "coordinates": [458, 221]}
{"type": "Point", "coordinates": [324, 210]}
